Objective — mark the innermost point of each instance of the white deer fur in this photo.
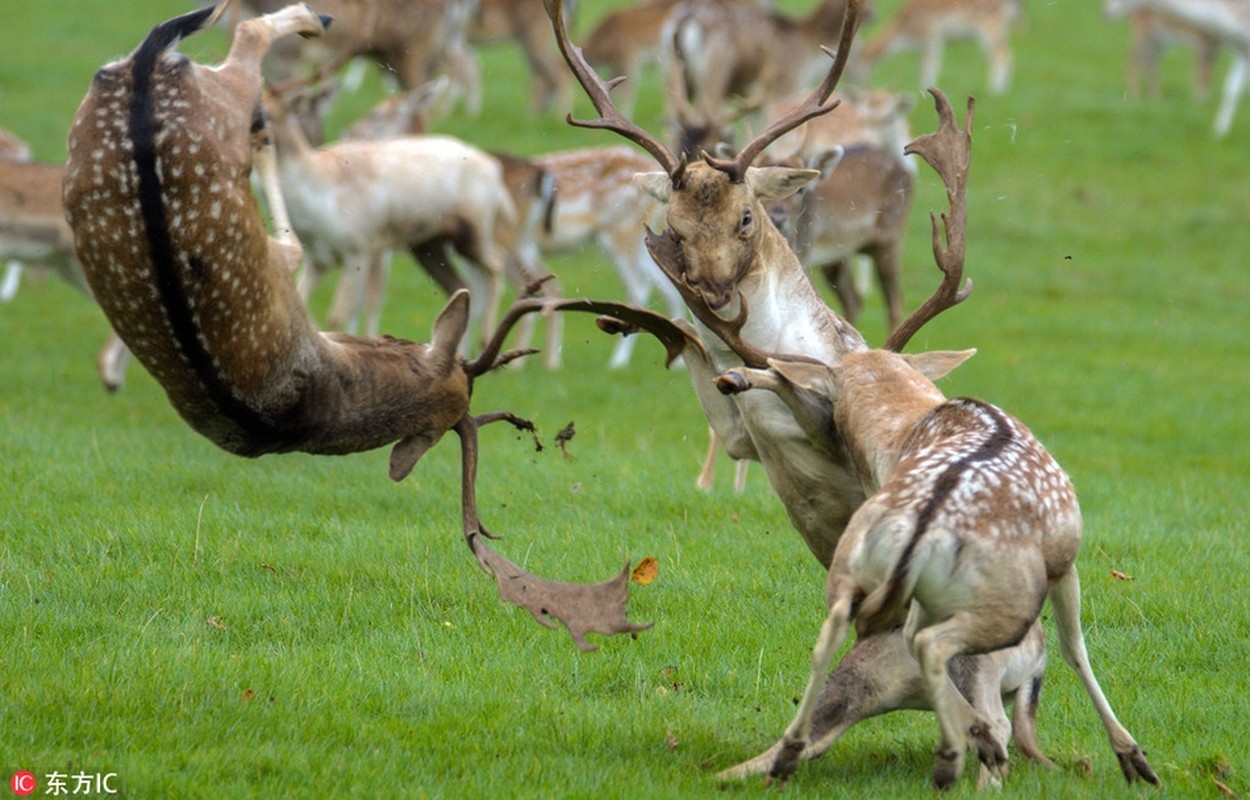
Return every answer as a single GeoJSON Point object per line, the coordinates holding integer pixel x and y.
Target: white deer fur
{"type": "Point", "coordinates": [355, 202]}
{"type": "Point", "coordinates": [1227, 21]}
{"type": "Point", "coordinates": [969, 526]}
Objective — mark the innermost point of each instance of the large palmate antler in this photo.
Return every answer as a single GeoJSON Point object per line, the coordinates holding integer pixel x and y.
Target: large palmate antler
{"type": "Point", "coordinates": [609, 118]}
{"type": "Point", "coordinates": [583, 608]}
{"type": "Point", "coordinates": [948, 150]}
{"type": "Point", "coordinates": [816, 104]}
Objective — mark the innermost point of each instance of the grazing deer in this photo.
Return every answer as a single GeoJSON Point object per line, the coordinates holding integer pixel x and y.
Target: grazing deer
{"type": "Point", "coordinates": [969, 526]}
{"type": "Point", "coordinates": [403, 115]}
{"type": "Point", "coordinates": [525, 22]}
{"type": "Point", "coordinates": [1153, 31]}
{"type": "Point", "coordinates": [717, 52]}
{"type": "Point", "coordinates": [172, 242]}
{"type": "Point", "coordinates": [626, 41]}
{"type": "Point", "coordinates": [1226, 21]}
{"type": "Point", "coordinates": [927, 25]}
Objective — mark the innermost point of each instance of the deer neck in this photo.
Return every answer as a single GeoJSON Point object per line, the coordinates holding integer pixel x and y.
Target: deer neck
{"type": "Point", "coordinates": [786, 314]}
{"type": "Point", "coordinates": [876, 419]}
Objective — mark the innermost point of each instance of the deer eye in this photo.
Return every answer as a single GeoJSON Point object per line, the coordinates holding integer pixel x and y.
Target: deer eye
{"type": "Point", "coordinates": [745, 224]}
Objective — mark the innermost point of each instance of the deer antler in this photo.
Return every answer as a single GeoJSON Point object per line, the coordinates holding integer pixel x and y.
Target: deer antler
{"type": "Point", "coordinates": [609, 117]}
{"type": "Point", "coordinates": [583, 608]}
{"type": "Point", "coordinates": [948, 150]}
{"type": "Point", "coordinates": [816, 104]}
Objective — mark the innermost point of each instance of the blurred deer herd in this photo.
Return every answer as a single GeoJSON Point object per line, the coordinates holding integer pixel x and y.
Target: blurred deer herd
{"type": "Point", "coordinates": [944, 525]}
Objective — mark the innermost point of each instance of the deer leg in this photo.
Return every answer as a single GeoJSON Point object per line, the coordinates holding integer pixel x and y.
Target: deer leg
{"type": "Point", "coordinates": [961, 726]}
{"type": "Point", "coordinates": [833, 633]}
{"type": "Point", "coordinates": [838, 275]}
{"type": "Point", "coordinates": [111, 362]}
{"type": "Point", "coordinates": [1065, 599]}
{"type": "Point", "coordinates": [12, 279]}
{"type": "Point", "coordinates": [887, 260]}
{"type": "Point", "coordinates": [1234, 86]}
{"type": "Point", "coordinates": [998, 51]}
{"type": "Point", "coordinates": [930, 62]}
{"type": "Point", "coordinates": [375, 292]}
{"type": "Point", "coordinates": [349, 295]}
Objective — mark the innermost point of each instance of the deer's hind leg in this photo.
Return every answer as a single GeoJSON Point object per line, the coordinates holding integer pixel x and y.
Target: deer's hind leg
{"type": "Point", "coordinates": [1065, 598]}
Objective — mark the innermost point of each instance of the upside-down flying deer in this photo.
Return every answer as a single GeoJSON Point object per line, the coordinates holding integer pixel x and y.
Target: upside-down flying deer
{"type": "Point", "coordinates": [173, 245]}
{"type": "Point", "coordinates": [751, 298]}
{"type": "Point", "coordinates": [969, 526]}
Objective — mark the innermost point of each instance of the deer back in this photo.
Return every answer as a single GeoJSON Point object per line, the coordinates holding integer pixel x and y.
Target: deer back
{"type": "Point", "coordinates": [172, 242]}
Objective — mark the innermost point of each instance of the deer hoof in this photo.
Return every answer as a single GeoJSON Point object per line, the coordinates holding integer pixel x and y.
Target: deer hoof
{"type": "Point", "coordinates": [1133, 765]}
{"type": "Point", "coordinates": [947, 769]}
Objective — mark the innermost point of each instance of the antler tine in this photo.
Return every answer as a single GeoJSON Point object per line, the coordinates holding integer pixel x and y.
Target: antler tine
{"type": "Point", "coordinates": [816, 104]}
{"type": "Point", "coordinates": [948, 151]}
{"type": "Point", "coordinates": [598, 92]}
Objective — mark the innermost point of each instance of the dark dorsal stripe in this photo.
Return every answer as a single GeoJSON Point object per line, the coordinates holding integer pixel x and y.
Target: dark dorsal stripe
{"type": "Point", "coordinates": [947, 482]}
{"type": "Point", "coordinates": [143, 131]}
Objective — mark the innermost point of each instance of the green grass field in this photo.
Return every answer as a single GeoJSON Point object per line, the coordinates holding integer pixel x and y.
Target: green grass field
{"type": "Point", "coordinates": [207, 626]}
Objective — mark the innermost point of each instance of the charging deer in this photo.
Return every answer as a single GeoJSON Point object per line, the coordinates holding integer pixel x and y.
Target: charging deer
{"type": "Point", "coordinates": [717, 52]}
{"type": "Point", "coordinates": [1151, 32]}
{"type": "Point", "coordinates": [927, 25]}
{"type": "Point", "coordinates": [1226, 21]}
{"type": "Point", "coordinates": [174, 248]}
{"type": "Point", "coordinates": [970, 524]}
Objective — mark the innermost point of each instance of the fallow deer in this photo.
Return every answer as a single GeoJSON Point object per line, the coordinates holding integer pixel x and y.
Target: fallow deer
{"type": "Point", "coordinates": [727, 259]}
{"type": "Point", "coordinates": [33, 233]}
{"type": "Point", "coordinates": [1226, 21]}
{"type": "Point", "coordinates": [927, 25]}
{"type": "Point", "coordinates": [626, 41]}
{"type": "Point", "coordinates": [722, 55]}
{"type": "Point", "coordinates": [530, 187]}
{"type": "Point", "coordinates": [355, 202]}
{"type": "Point", "coordinates": [412, 40]}
{"type": "Point", "coordinates": [524, 22]}
{"type": "Point", "coordinates": [1151, 32]}
{"type": "Point", "coordinates": [970, 524]}
{"type": "Point", "coordinates": [174, 248]}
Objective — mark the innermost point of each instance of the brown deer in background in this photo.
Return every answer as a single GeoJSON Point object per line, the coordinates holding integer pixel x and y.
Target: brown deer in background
{"type": "Point", "coordinates": [172, 242]}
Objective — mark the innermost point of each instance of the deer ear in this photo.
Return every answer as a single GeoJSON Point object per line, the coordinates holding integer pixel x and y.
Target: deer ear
{"type": "Point", "coordinates": [802, 375]}
{"type": "Point", "coordinates": [826, 161]}
{"type": "Point", "coordinates": [449, 329]}
{"type": "Point", "coordinates": [657, 184]}
{"type": "Point", "coordinates": [778, 183]}
{"type": "Point", "coordinates": [939, 363]}
{"type": "Point", "coordinates": [408, 451]}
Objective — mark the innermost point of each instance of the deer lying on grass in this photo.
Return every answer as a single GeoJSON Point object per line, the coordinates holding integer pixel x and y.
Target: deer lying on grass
{"type": "Point", "coordinates": [969, 526]}
{"type": "Point", "coordinates": [1226, 21]}
{"type": "Point", "coordinates": [1151, 32]}
{"type": "Point", "coordinates": [927, 25]}
{"type": "Point", "coordinates": [172, 243]}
